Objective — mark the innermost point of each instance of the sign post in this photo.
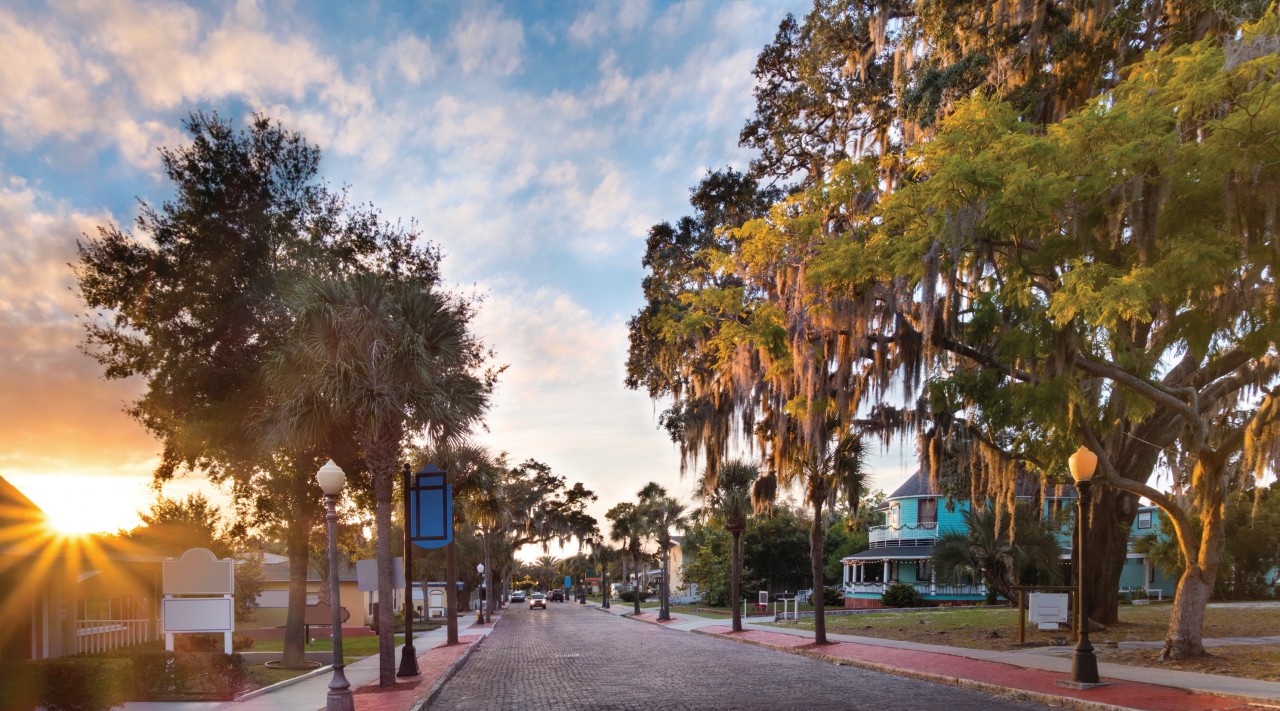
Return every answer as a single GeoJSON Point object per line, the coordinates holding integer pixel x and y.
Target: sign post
{"type": "Point", "coordinates": [198, 572]}
{"type": "Point", "coordinates": [430, 508]}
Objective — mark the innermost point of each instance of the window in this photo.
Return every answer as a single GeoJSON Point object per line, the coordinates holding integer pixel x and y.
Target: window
{"type": "Point", "coordinates": [1144, 519]}
{"type": "Point", "coordinates": [928, 512]}
{"type": "Point", "coordinates": [922, 570]}
{"type": "Point", "coordinates": [893, 516]}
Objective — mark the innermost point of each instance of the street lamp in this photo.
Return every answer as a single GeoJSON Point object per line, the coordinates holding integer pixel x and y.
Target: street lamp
{"type": "Point", "coordinates": [331, 478]}
{"type": "Point", "coordinates": [1084, 665]}
{"type": "Point", "coordinates": [484, 594]}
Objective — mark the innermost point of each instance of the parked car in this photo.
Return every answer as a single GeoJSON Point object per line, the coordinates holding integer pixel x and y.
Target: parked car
{"type": "Point", "coordinates": [517, 596]}
{"type": "Point", "coordinates": [537, 600]}
{"type": "Point", "coordinates": [556, 596]}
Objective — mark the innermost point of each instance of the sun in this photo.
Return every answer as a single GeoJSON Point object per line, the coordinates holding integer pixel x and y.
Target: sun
{"type": "Point", "coordinates": [76, 505]}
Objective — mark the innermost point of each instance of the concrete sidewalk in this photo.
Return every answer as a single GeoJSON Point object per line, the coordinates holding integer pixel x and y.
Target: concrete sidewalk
{"type": "Point", "coordinates": [308, 692]}
{"type": "Point", "coordinates": [1033, 672]}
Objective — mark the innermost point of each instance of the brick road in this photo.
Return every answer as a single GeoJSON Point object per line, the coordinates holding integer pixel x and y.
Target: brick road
{"type": "Point", "coordinates": [574, 657]}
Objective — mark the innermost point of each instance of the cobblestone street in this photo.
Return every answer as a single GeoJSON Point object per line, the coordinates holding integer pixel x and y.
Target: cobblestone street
{"type": "Point", "coordinates": [575, 657]}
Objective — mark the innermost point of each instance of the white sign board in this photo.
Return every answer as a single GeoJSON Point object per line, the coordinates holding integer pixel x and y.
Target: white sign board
{"type": "Point", "coordinates": [198, 572]}
{"type": "Point", "coordinates": [1047, 610]}
{"type": "Point", "coordinates": [367, 575]}
{"type": "Point", "coordinates": [195, 614]}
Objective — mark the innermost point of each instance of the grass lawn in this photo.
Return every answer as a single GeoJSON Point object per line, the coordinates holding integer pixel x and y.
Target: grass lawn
{"type": "Point", "coordinates": [351, 646]}
{"type": "Point", "coordinates": [997, 628]}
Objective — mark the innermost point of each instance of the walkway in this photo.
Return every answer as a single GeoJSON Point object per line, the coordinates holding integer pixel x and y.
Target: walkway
{"type": "Point", "coordinates": [1034, 672]}
{"type": "Point", "coordinates": [308, 693]}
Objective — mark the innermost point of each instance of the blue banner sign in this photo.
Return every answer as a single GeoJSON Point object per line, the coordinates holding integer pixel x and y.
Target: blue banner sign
{"type": "Point", "coordinates": [568, 582]}
{"type": "Point", "coordinates": [430, 508]}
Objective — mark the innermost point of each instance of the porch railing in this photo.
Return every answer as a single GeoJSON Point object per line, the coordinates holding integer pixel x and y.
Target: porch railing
{"type": "Point", "coordinates": [891, 535]}
{"type": "Point", "coordinates": [93, 636]}
{"type": "Point", "coordinates": [924, 588]}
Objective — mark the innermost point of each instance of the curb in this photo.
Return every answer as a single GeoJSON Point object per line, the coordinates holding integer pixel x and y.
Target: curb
{"type": "Point", "coordinates": [282, 684]}
{"type": "Point", "coordinates": [1065, 702]}
{"type": "Point", "coordinates": [438, 686]}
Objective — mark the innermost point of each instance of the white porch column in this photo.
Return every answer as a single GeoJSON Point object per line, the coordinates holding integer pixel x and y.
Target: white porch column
{"type": "Point", "coordinates": [933, 580]}
{"type": "Point", "coordinates": [885, 580]}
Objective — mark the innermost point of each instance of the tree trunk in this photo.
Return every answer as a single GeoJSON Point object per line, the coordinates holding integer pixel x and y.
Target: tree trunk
{"type": "Point", "coordinates": [295, 630]}
{"type": "Point", "coordinates": [815, 560]}
{"type": "Point", "coordinates": [1186, 623]}
{"type": "Point", "coordinates": [451, 593]}
{"type": "Point", "coordinates": [489, 597]}
{"type": "Point", "coordinates": [664, 595]}
{"type": "Point", "coordinates": [382, 517]}
{"type": "Point", "coordinates": [635, 589]}
{"type": "Point", "coordinates": [1111, 515]}
{"type": "Point", "coordinates": [735, 581]}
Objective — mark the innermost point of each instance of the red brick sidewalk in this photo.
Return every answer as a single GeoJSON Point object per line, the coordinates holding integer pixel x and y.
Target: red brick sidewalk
{"type": "Point", "coordinates": [408, 691]}
{"type": "Point", "coordinates": [988, 675]}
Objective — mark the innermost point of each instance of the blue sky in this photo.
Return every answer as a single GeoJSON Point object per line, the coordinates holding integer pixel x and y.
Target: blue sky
{"type": "Point", "coordinates": [534, 142]}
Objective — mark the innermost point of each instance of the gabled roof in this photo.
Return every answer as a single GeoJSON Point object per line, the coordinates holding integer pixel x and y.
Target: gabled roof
{"type": "Point", "coordinates": [919, 484]}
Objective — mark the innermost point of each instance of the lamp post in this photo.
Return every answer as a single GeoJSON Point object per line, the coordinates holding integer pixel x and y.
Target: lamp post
{"type": "Point", "coordinates": [331, 479]}
{"type": "Point", "coordinates": [409, 655]}
{"type": "Point", "coordinates": [1084, 665]}
{"type": "Point", "coordinates": [484, 594]}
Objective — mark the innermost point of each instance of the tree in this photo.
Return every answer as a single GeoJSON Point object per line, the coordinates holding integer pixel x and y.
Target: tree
{"type": "Point", "coordinates": [662, 514]}
{"type": "Point", "coordinates": [192, 304]}
{"type": "Point", "coordinates": [726, 494]}
{"type": "Point", "coordinates": [1026, 300]}
{"type": "Point", "coordinates": [827, 476]}
{"type": "Point", "coordinates": [1026, 548]}
{"type": "Point", "coordinates": [775, 549]}
{"type": "Point", "coordinates": [392, 358]}
{"type": "Point", "coordinates": [627, 528]}
{"type": "Point", "coordinates": [709, 563]}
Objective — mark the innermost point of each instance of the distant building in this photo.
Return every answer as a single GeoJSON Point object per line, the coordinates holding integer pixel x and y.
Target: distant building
{"type": "Point", "coordinates": [63, 595]}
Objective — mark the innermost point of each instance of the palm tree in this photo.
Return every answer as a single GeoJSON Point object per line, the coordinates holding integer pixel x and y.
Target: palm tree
{"type": "Point", "coordinates": [395, 360]}
{"type": "Point", "coordinates": [472, 475]}
{"type": "Point", "coordinates": [726, 493]}
{"type": "Point", "coordinates": [830, 473]}
{"type": "Point", "coordinates": [663, 514]}
{"type": "Point", "coordinates": [1026, 545]}
{"type": "Point", "coordinates": [627, 527]}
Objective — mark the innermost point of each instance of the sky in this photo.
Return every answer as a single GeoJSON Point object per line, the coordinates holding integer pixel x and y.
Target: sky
{"type": "Point", "coordinates": [535, 143]}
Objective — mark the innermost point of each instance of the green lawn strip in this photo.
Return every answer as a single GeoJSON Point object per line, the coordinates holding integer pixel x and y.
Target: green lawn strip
{"type": "Point", "coordinates": [982, 627]}
{"type": "Point", "coordinates": [351, 646]}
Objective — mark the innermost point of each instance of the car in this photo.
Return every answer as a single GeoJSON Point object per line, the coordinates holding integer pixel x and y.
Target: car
{"type": "Point", "coordinates": [537, 600]}
{"type": "Point", "coordinates": [517, 596]}
{"type": "Point", "coordinates": [556, 596]}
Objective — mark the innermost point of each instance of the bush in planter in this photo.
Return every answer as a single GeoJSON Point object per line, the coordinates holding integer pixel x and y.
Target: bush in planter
{"type": "Point", "coordinates": [67, 684]}
{"type": "Point", "coordinates": [901, 595]}
{"type": "Point", "coordinates": [184, 676]}
{"type": "Point", "coordinates": [630, 596]}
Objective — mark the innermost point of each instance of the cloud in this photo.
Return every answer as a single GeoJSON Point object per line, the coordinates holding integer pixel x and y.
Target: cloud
{"type": "Point", "coordinates": [609, 18]}
{"type": "Point", "coordinates": [56, 411]}
{"type": "Point", "coordinates": [45, 86]}
{"type": "Point", "coordinates": [486, 41]}
{"type": "Point", "coordinates": [410, 58]}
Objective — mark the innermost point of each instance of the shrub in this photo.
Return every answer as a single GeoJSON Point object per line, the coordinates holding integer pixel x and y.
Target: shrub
{"type": "Point", "coordinates": [167, 676]}
{"type": "Point", "coordinates": [67, 684]}
{"type": "Point", "coordinates": [901, 595]}
{"type": "Point", "coordinates": [630, 596]}
{"type": "Point", "coordinates": [832, 597]}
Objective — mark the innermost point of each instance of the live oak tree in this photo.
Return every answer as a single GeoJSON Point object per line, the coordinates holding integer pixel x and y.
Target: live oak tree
{"type": "Point", "coordinates": [190, 302]}
{"type": "Point", "coordinates": [1021, 308]}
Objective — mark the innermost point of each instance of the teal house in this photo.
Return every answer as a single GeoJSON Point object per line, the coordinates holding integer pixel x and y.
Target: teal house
{"type": "Point", "coordinates": [901, 549]}
{"type": "Point", "coordinates": [1140, 578]}
{"type": "Point", "coordinates": [916, 514]}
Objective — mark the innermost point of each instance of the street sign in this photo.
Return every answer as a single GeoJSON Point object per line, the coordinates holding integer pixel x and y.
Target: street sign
{"type": "Point", "coordinates": [367, 574]}
{"type": "Point", "coordinates": [1048, 610]}
{"type": "Point", "coordinates": [430, 508]}
{"type": "Point", "coordinates": [568, 582]}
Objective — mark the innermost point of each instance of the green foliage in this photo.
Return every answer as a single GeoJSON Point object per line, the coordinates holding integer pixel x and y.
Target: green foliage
{"type": "Point", "coordinates": [1253, 544]}
{"type": "Point", "coordinates": [185, 676]}
{"type": "Point", "coordinates": [709, 563]}
{"type": "Point", "coordinates": [902, 595]}
{"type": "Point", "coordinates": [1024, 549]}
{"type": "Point", "coordinates": [832, 596]}
{"type": "Point", "coordinates": [66, 684]}
{"type": "Point", "coordinates": [775, 551]}
{"type": "Point", "coordinates": [844, 537]}
{"type": "Point", "coordinates": [630, 595]}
